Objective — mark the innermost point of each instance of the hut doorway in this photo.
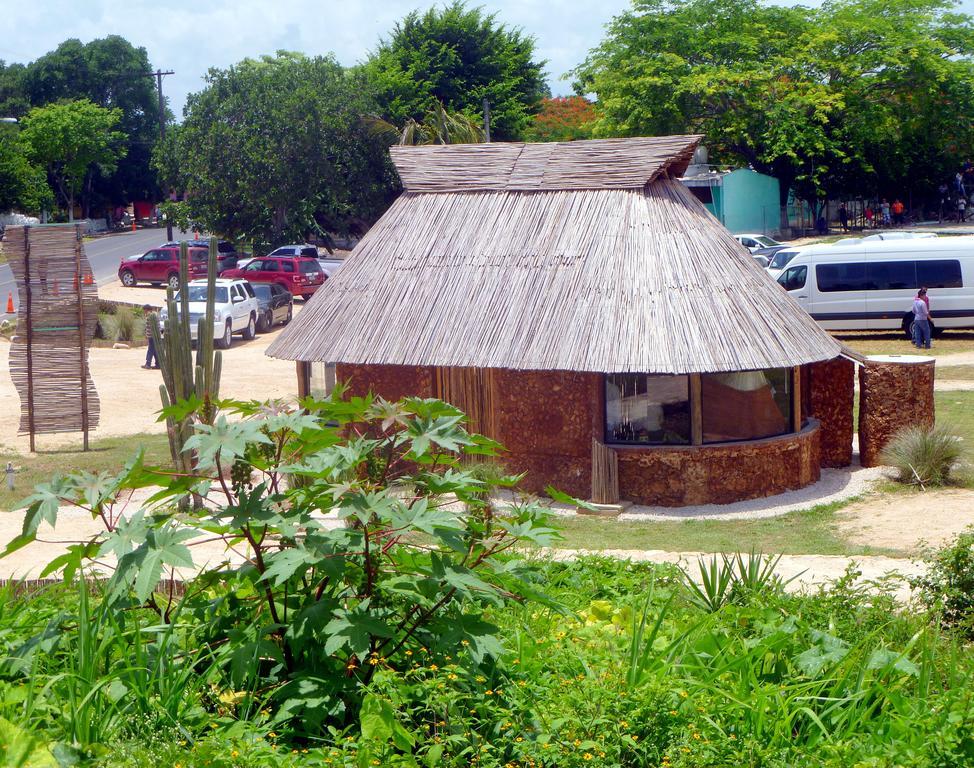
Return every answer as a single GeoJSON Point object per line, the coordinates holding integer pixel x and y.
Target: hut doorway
{"type": "Point", "coordinates": [472, 390]}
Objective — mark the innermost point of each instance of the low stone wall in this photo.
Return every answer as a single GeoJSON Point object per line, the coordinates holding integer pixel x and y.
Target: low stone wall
{"type": "Point", "coordinates": [895, 391]}
{"type": "Point", "coordinates": [677, 476]}
{"type": "Point", "coordinates": [831, 397]}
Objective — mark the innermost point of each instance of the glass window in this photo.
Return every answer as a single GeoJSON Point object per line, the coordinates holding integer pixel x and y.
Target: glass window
{"type": "Point", "coordinates": [781, 258]}
{"type": "Point", "coordinates": [767, 242]}
{"type": "Point", "coordinates": [890, 275]}
{"type": "Point", "coordinates": [939, 274]}
{"type": "Point", "coordinates": [271, 265]}
{"type": "Point", "coordinates": [255, 266]}
{"type": "Point", "coordinates": [841, 277]}
{"type": "Point", "coordinates": [643, 409]}
{"type": "Point", "coordinates": [745, 405]}
{"type": "Point", "coordinates": [198, 293]}
{"type": "Point", "coordinates": [794, 278]}
{"type": "Point", "coordinates": [309, 266]}
{"type": "Point", "coordinates": [288, 266]}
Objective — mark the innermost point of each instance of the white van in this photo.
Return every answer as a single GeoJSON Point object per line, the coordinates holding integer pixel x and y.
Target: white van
{"type": "Point", "coordinates": [871, 285]}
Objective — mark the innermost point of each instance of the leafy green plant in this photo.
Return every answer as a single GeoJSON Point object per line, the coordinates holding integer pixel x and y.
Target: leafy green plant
{"type": "Point", "coordinates": [725, 579]}
{"type": "Point", "coordinates": [369, 562]}
{"type": "Point", "coordinates": [947, 587]}
{"type": "Point", "coordinates": [124, 321]}
{"type": "Point", "coordinates": [923, 456]}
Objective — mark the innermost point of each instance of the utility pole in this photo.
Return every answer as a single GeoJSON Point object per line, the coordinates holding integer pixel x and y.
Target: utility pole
{"type": "Point", "coordinates": [159, 74]}
{"type": "Point", "coordinates": [486, 120]}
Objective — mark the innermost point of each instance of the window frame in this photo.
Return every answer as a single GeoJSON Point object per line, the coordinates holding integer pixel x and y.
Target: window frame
{"type": "Point", "coordinates": [795, 421]}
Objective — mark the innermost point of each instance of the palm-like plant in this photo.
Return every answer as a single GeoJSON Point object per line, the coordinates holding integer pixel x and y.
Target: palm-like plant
{"type": "Point", "coordinates": [438, 127]}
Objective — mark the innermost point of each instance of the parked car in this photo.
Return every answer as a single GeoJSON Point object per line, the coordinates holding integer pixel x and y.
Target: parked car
{"type": "Point", "coordinates": [300, 275]}
{"type": "Point", "coordinates": [296, 250]}
{"type": "Point", "coordinates": [780, 260]}
{"type": "Point", "coordinates": [330, 264]}
{"type": "Point", "coordinates": [161, 265]}
{"type": "Point", "coordinates": [236, 310]}
{"type": "Point", "coordinates": [761, 260]}
{"type": "Point", "coordinates": [276, 305]}
{"type": "Point", "coordinates": [226, 258]}
{"type": "Point", "coordinates": [760, 245]}
{"type": "Point", "coordinates": [871, 285]}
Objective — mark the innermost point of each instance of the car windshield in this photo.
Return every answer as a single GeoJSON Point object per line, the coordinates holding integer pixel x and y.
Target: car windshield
{"type": "Point", "coordinates": [198, 293]}
{"type": "Point", "coordinates": [767, 242]}
{"type": "Point", "coordinates": [781, 258]}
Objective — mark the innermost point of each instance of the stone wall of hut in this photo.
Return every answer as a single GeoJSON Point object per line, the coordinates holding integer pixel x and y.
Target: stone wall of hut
{"type": "Point", "coordinates": [677, 476]}
{"type": "Point", "coordinates": [830, 386]}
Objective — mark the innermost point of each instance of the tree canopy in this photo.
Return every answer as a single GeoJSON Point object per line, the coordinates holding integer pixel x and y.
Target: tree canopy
{"type": "Point", "coordinates": [458, 57]}
{"type": "Point", "coordinates": [855, 96]}
{"type": "Point", "coordinates": [23, 185]}
{"type": "Point", "coordinates": [111, 73]}
{"type": "Point", "coordinates": [563, 118]}
{"type": "Point", "coordinates": [275, 148]}
{"type": "Point", "coordinates": [70, 140]}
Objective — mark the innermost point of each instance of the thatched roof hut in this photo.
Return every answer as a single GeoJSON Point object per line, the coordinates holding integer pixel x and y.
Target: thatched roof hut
{"type": "Point", "coordinates": [584, 309]}
{"type": "Point", "coordinates": [579, 256]}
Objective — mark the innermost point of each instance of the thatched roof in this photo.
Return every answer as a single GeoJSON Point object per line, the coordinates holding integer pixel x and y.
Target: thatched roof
{"type": "Point", "coordinates": [614, 267]}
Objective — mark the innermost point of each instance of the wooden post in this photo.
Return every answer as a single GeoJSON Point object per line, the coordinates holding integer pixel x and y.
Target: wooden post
{"type": "Point", "coordinates": [83, 362]}
{"type": "Point", "coordinates": [304, 378]}
{"type": "Point", "coordinates": [696, 410]}
{"type": "Point", "coordinates": [796, 399]}
{"type": "Point", "coordinates": [28, 321]}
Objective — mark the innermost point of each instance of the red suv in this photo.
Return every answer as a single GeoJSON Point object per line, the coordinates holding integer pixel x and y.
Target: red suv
{"type": "Point", "coordinates": [161, 265]}
{"type": "Point", "coordinates": [301, 275]}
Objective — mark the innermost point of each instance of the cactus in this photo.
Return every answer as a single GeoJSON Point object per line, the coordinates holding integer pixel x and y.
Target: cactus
{"type": "Point", "coordinates": [182, 379]}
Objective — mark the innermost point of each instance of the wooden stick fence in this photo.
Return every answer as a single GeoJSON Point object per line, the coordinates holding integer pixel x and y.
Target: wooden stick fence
{"type": "Point", "coordinates": [56, 321]}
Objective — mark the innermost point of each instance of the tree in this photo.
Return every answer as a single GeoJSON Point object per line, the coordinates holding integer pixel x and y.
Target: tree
{"type": "Point", "coordinates": [823, 98]}
{"type": "Point", "coordinates": [111, 73]}
{"type": "Point", "coordinates": [13, 100]}
{"type": "Point", "coordinates": [276, 148]}
{"type": "Point", "coordinates": [458, 57]}
{"type": "Point", "coordinates": [23, 186]}
{"type": "Point", "coordinates": [564, 118]}
{"type": "Point", "coordinates": [439, 127]}
{"type": "Point", "coordinates": [70, 139]}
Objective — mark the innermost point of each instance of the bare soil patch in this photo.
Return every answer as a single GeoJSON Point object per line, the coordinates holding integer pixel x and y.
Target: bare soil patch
{"type": "Point", "coordinates": [907, 522]}
{"type": "Point", "coordinates": [129, 395]}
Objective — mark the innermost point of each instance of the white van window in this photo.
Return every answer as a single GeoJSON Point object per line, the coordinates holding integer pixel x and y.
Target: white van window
{"type": "Point", "coordinates": [890, 275]}
{"type": "Point", "coordinates": [939, 274]}
{"type": "Point", "coordinates": [840, 277]}
{"type": "Point", "coordinates": [793, 278]}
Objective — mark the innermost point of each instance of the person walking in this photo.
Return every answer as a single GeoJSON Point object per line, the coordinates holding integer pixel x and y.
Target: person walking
{"type": "Point", "coordinates": [868, 213]}
{"type": "Point", "coordinates": [843, 217]}
{"type": "Point", "coordinates": [884, 209]}
{"type": "Point", "coordinates": [961, 209]}
{"type": "Point", "coordinates": [921, 319]}
{"type": "Point", "coordinates": [151, 360]}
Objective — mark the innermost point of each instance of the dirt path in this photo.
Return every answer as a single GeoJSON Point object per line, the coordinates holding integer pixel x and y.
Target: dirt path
{"type": "Point", "coordinates": [129, 395]}
{"type": "Point", "coordinates": [908, 521]}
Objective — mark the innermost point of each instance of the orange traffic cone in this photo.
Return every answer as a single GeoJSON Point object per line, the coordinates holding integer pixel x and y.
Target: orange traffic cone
{"type": "Point", "coordinates": [10, 302]}
{"type": "Point", "coordinates": [133, 225]}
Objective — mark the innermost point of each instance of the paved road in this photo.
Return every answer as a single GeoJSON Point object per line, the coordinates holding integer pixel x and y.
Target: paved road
{"type": "Point", "coordinates": [104, 254]}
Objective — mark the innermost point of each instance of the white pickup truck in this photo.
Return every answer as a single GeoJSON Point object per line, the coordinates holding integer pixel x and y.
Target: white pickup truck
{"type": "Point", "coordinates": [236, 310]}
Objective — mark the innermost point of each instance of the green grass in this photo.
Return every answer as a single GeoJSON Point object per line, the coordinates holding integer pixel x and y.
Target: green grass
{"type": "Point", "coordinates": [895, 343]}
{"type": "Point", "coordinates": [955, 372]}
{"type": "Point", "coordinates": [107, 455]}
{"type": "Point", "coordinates": [799, 533]}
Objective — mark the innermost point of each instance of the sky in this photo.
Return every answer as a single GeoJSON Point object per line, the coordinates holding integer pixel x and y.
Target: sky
{"type": "Point", "coordinates": [189, 36]}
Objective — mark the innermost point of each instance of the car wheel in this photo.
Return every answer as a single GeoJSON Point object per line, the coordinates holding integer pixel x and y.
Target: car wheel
{"type": "Point", "coordinates": [908, 326]}
{"type": "Point", "coordinates": [290, 314]}
{"type": "Point", "coordinates": [128, 279]}
{"type": "Point", "coordinates": [224, 341]}
{"type": "Point", "coordinates": [173, 281]}
{"type": "Point", "coordinates": [265, 322]}
{"type": "Point", "coordinates": [250, 331]}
